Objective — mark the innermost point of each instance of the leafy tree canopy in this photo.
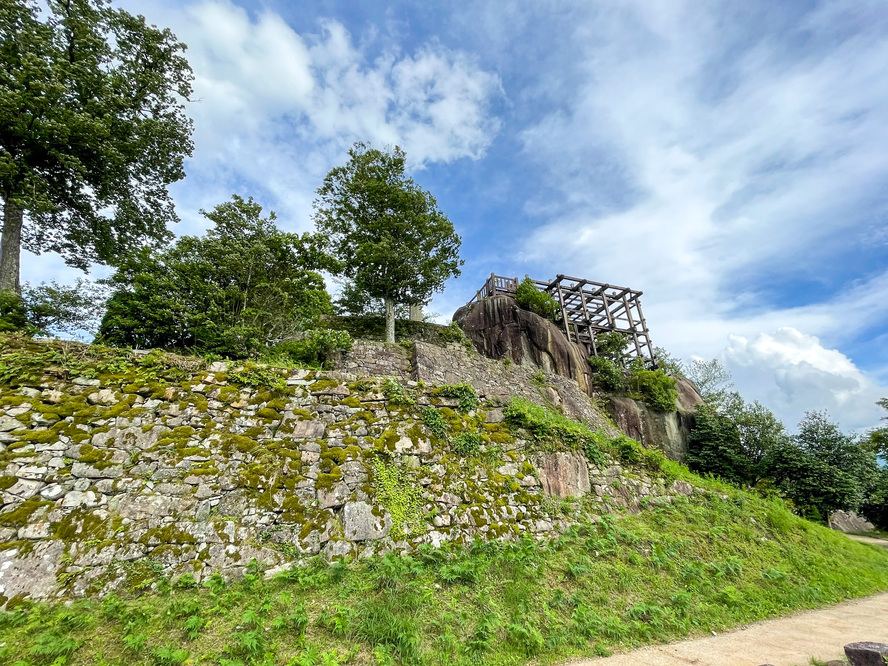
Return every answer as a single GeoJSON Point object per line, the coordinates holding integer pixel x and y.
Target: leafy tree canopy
{"type": "Point", "coordinates": [712, 379]}
{"type": "Point", "coordinates": [92, 130]}
{"type": "Point", "coordinates": [387, 235]}
{"type": "Point", "coordinates": [242, 286]}
{"type": "Point", "coordinates": [878, 438]}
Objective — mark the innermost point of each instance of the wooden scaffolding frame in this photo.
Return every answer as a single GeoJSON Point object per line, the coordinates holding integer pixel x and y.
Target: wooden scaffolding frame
{"type": "Point", "coordinates": [587, 309]}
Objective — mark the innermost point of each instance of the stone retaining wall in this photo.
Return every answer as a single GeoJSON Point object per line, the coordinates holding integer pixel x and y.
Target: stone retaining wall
{"type": "Point", "coordinates": [106, 482]}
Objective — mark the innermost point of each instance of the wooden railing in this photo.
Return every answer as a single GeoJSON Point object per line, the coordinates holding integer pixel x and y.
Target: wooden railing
{"type": "Point", "coordinates": [496, 284]}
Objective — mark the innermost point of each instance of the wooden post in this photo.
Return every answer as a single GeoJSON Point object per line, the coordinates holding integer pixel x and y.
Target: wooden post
{"type": "Point", "coordinates": [563, 312]}
{"type": "Point", "coordinates": [632, 326]}
{"type": "Point", "coordinates": [644, 327]}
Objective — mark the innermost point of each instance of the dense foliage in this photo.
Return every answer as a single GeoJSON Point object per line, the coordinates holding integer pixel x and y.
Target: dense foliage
{"type": "Point", "coordinates": [819, 470]}
{"type": "Point", "coordinates": [388, 236]}
{"type": "Point", "coordinates": [612, 372]}
{"type": "Point", "coordinates": [92, 131]}
{"type": "Point", "coordinates": [531, 298]}
{"type": "Point", "coordinates": [234, 291]}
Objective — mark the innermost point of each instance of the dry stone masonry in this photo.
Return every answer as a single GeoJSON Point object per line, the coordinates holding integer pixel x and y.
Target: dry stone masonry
{"type": "Point", "coordinates": [107, 481]}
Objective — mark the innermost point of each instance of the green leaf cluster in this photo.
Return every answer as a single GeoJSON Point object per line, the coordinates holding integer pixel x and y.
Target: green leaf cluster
{"type": "Point", "coordinates": [657, 389]}
{"type": "Point", "coordinates": [398, 492]}
{"type": "Point", "coordinates": [316, 347]}
{"type": "Point", "coordinates": [234, 291]}
{"type": "Point", "coordinates": [467, 444]}
{"type": "Point", "coordinates": [465, 393]}
{"type": "Point", "coordinates": [530, 298]}
{"type": "Point", "coordinates": [92, 128]}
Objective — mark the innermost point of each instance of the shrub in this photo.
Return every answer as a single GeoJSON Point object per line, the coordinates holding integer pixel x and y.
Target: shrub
{"type": "Point", "coordinates": [13, 316]}
{"type": "Point", "coordinates": [657, 389]}
{"type": "Point", "coordinates": [453, 333]}
{"type": "Point", "coordinates": [531, 298]}
{"type": "Point", "coordinates": [465, 393]}
{"type": "Point", "coordinates": [317, 347]}
{"type": "Point", "coordinates": [607, 375]}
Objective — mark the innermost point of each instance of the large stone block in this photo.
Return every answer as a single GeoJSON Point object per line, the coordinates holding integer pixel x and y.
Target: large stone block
{"type": "Point", "coordinates": [849, 522]}
{"type": "Point", "coordinates": [362, 521]}
{"type": "Point", "coordinates": [563, 474]}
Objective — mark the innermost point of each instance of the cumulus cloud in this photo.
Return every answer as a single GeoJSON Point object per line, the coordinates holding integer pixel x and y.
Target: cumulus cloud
{"type": "Point", "coordinates": [716, 159]}
{"type": "Point", "coordinates": [275, 109]}
{"type": "Point", "coordinates": [278, 108]}
{"type": "Point", "coordinates": [793, 373]}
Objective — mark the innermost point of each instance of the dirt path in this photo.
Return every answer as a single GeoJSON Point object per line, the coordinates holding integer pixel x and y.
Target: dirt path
{"type": "Point", "coordinates": [787, 641]}
{"type": "Point", "coordinates": [866, 539]}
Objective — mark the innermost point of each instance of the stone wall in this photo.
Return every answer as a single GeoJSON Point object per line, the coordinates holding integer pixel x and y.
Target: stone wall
{"type": "Point", "coordinates": [107, 479]}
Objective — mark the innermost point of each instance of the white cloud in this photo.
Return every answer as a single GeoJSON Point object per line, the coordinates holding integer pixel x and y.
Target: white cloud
{"type": "Point", "coordinates": [698, 173]}
{"type": "Point", "coordinates": [793, 373]}
{"type": "Point", "coordinates": [278, 108]}
{"type": "Point", "coordinates": [275, 109]}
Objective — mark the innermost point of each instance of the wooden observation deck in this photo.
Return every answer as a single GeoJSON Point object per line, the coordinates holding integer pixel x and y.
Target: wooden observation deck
{"type": "Point", "coordinates": [587, 309]}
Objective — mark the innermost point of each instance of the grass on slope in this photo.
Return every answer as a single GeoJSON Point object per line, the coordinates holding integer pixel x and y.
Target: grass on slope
{"type": "Point", "coordinates": [703, 564]}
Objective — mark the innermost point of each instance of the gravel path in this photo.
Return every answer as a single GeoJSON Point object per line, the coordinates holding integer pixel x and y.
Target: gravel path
{"type": "Point", "coordinates": [786, 641]}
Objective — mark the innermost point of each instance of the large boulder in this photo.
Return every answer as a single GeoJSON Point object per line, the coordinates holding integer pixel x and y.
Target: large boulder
{"type": "Point", "coordinates": [499, 328]}
{"type": "Point", "coordinates": [667, 431]}
{"type": "Point", "coordinates": [849, 522]}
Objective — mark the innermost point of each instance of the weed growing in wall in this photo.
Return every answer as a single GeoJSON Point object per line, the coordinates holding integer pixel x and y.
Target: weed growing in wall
{"type": "Point", "coordinates": [550, 429]}
{"type": "Point", "coordinates": [465, 393]}
{"type": "Point", "coordinates": [397, 394]}
{"type": "Point", "coordinates": [467, 444]}
{"type": "Point", "coordinates": [435, 423]}
{"type": "Point", "coordinates": [398, 493]}
{"type": "Point", "coordinates": [258, 376]}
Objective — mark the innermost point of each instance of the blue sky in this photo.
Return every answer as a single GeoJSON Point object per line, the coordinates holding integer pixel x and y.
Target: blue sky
{"type": "Point", "coordinates": [728, 159]}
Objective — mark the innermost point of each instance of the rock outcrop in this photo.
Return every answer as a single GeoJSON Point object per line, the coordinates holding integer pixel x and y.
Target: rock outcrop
{"type": "Point", "coordinates": [667, 431]}
{"type": "Point", "coordinates": [500, 329]}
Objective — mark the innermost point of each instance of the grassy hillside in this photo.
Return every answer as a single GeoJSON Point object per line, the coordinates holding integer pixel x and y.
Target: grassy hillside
{"type": "Point", "coordinates": [704, 563]}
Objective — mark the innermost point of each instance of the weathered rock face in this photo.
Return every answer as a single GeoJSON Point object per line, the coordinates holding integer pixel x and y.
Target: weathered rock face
{"type": "Point", "coordinates": [501, 329]}
{"type": "Point", "coordinates": [667, 431]}
{"type": "Point", "coordinates": [563, 474]}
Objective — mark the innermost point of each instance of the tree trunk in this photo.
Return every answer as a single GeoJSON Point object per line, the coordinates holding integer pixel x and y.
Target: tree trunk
{"type": "Point", "coordinates": [389, 319]}
{"type": "Point", "coordinates": [10, 247]}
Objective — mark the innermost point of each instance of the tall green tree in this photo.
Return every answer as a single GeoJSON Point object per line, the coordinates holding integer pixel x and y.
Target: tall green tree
{"type": "Point", "coordinates": [387, 234]}
{"type": "Point", "coordinates": [92, 131]}
{"type": "Point", "coordinates": [714, 446]}
{"type": "Point", "coordinates": [878, 438]}
{"type": "Point", "coordinates": [712, 379]}
{"type": "Point", "coordinates": [242, 286]}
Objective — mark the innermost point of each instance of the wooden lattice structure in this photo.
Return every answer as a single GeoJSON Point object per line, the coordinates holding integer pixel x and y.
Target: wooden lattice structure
{"type": "Point", "coordinates": [587, 309]}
